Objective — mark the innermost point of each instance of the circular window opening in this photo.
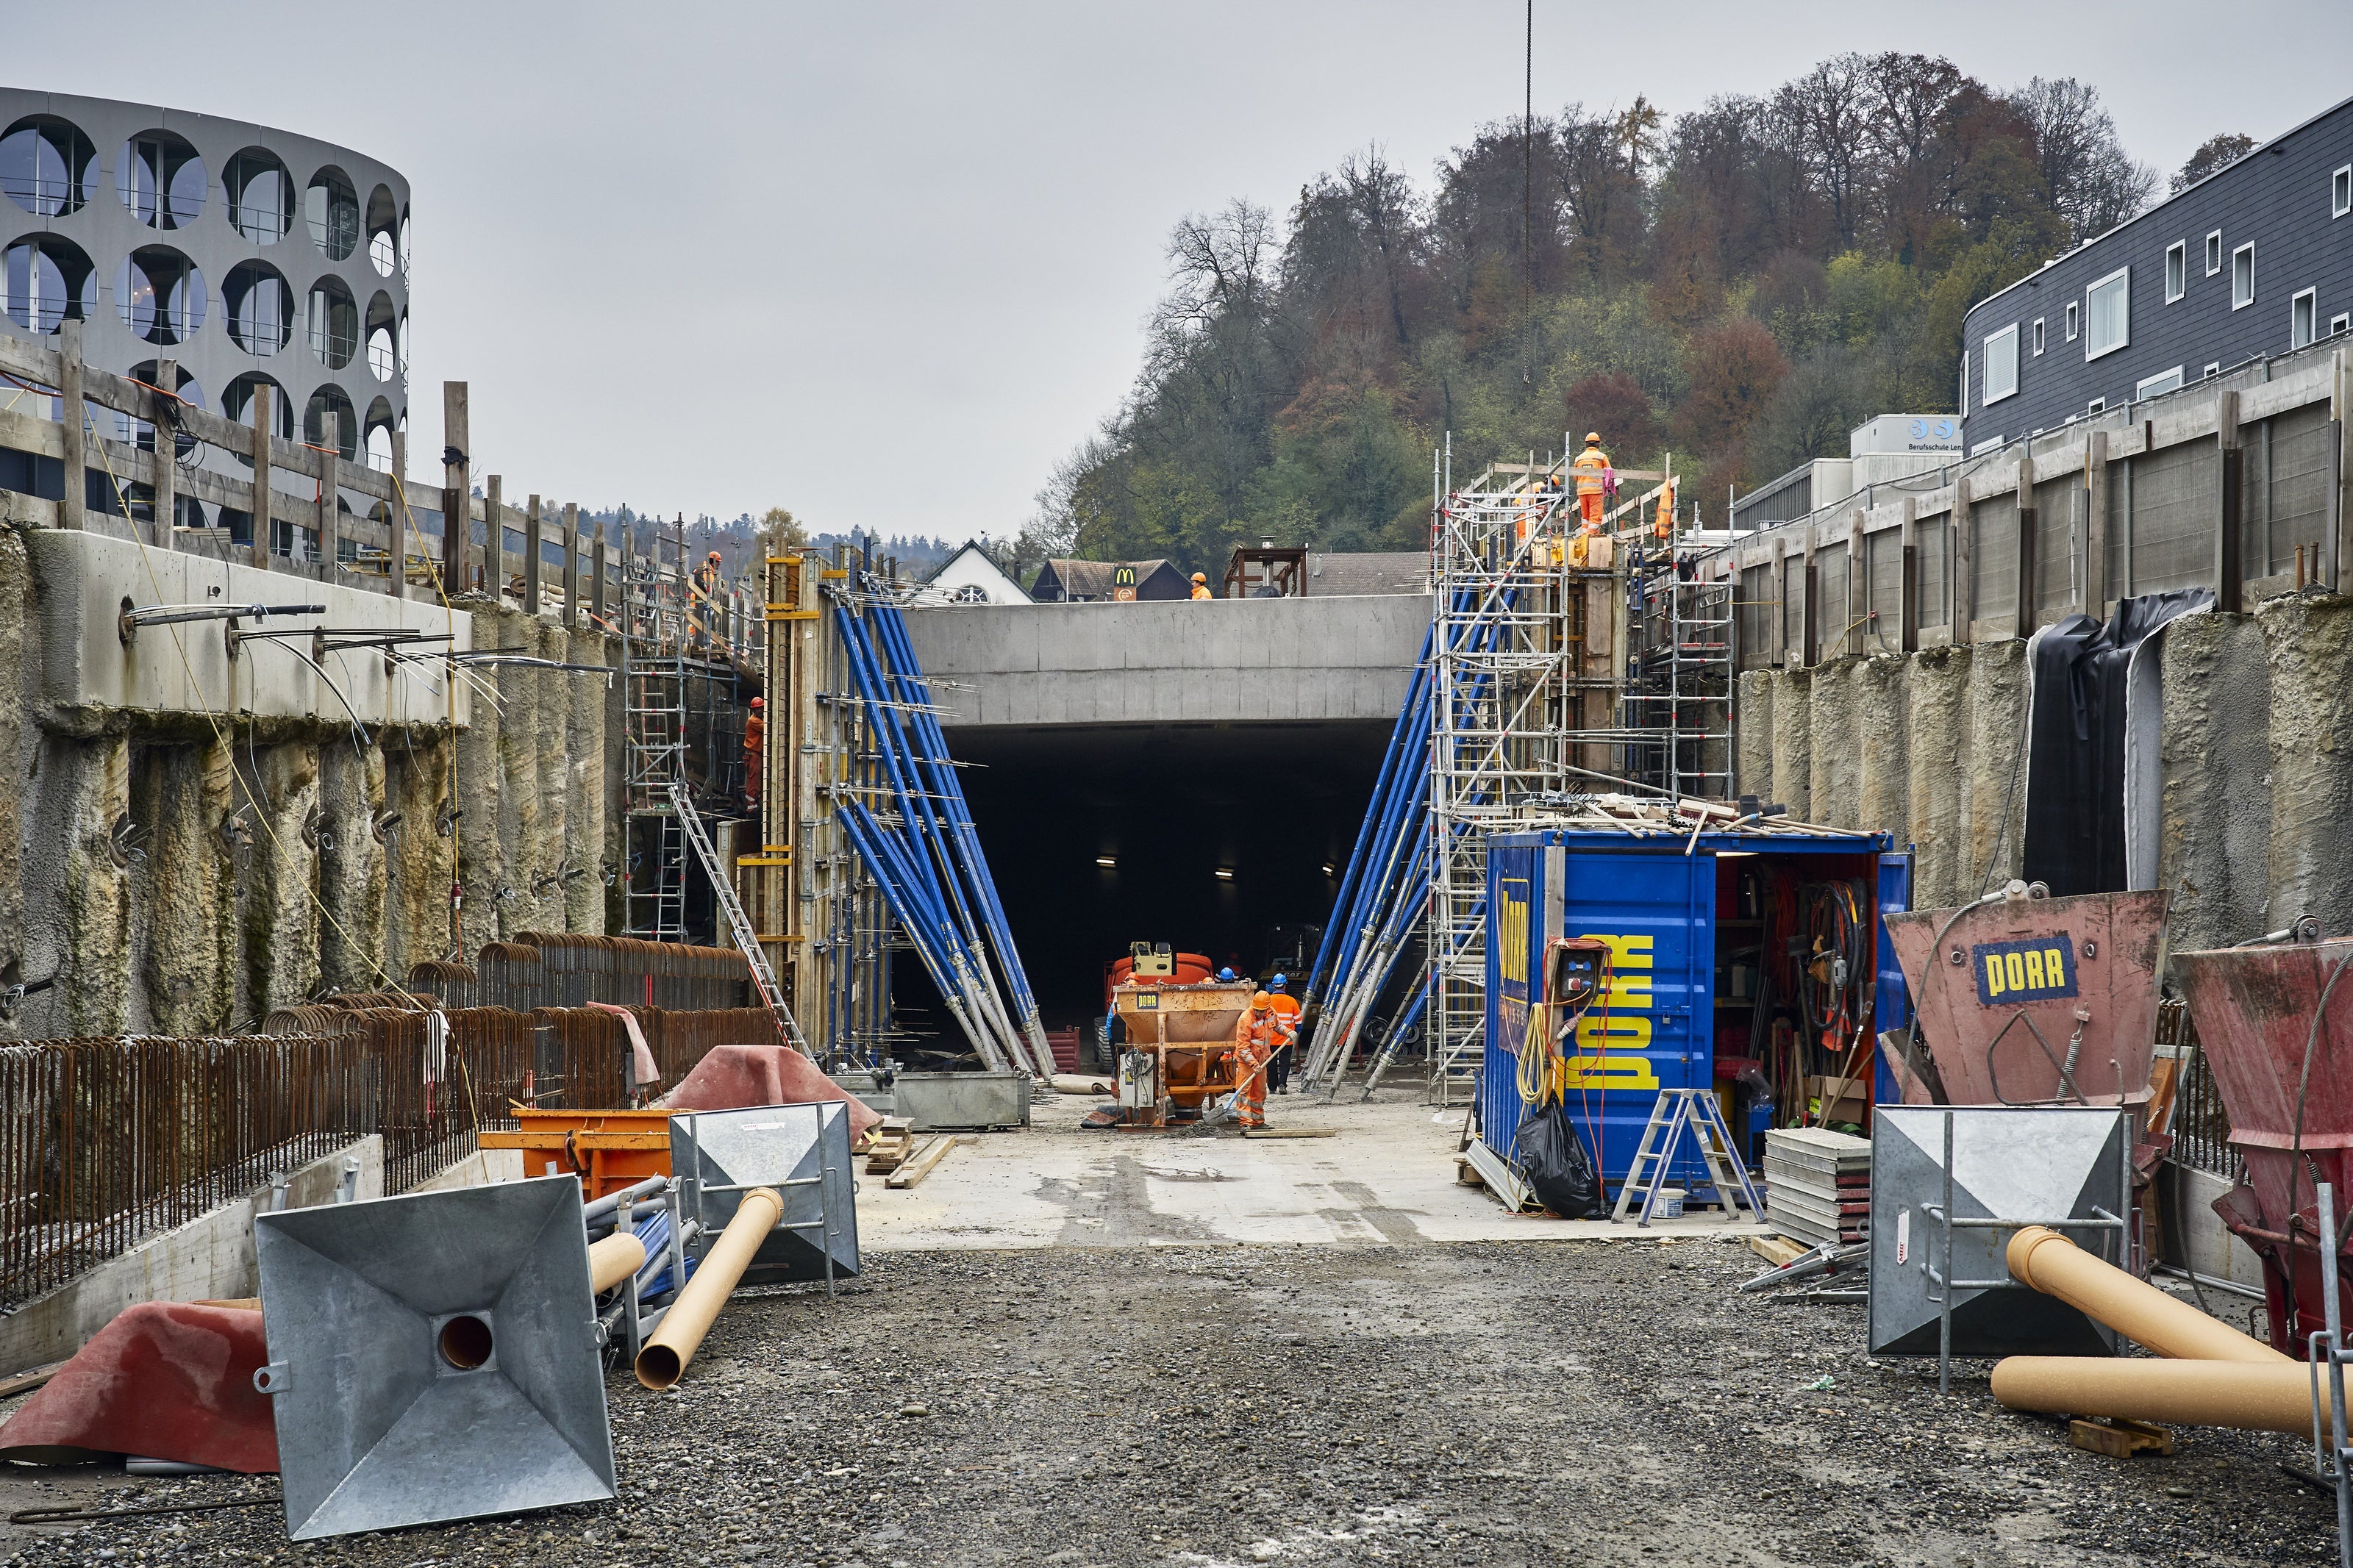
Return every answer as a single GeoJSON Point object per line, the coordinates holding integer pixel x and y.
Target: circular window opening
{"type": "Point", "coordinates": [327, 401]}
{"type": "Point", "coordinates": [260, 308]}
{"type": "Point", "coordinates": [334, 322]}
{"type": "Point", "coordinates": [465, 1342]}
{"type": "Point", "coordinates": [160, 294]}
{"type": "Point", "coordinates": [333, 210]}
{"type": "Point", "coordinates": [405, 251]}
{"type": "Point", "coordinates": [383, 232]}
{"type": "Point", "coordinates": [384, 343]}
{"type": "Point", "coordinates": [161, 180]}
{"type": "Point", "coordinates": [260, 195]}
{"type": "Point", "coordinates": [379, 436]}
{"type": "Point", "coordinates": [45, 282]}
{"type": "Point", "coordinates": [139, 431]}
{"type": "Point", "coordinates": [237, 405]}
{"type": "Point", "coordinates": [47, 166]}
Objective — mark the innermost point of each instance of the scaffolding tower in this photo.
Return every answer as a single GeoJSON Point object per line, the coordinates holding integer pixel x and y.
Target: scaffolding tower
{"type": "Point", "coordinates": [653, 873]}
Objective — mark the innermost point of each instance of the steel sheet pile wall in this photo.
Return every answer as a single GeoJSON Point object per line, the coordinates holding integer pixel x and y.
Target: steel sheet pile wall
{"type": "Point", "coordinates": [921, 847]}
{"type": "Point", "coordinates": [103, 1143]}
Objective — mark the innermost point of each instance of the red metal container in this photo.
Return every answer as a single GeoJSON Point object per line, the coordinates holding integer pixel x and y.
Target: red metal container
{"type": "Point", "coordinates": [2255, 1009]}
{"type": "Point", "coordinates": [2038, 1000]}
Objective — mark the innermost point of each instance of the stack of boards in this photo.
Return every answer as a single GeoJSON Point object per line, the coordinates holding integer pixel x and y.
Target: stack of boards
{"type": "Point", "coordinates": [1817, 1185]}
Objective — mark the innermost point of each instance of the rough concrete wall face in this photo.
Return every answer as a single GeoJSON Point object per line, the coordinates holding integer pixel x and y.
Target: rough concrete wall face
{"type": "Point", "coordinates": [1793, 767]}
{"type": "Point", "coordinates": [2309, 644]}
{"type": "Point", "coordinates": [1755, 767]}
{"type": "Point", "coordinates": [183, 889]}
{"type": "Point", "coordinates": [1834, 790]}
{"type": "Point", "coordinates": [1995, 797]}
{"type": "Point", "coordinates": [2214, 848]}
{"type": "Point", "coordinates": [1880, 690]}
{"type": "Point", "coordinates": [277, 877]}
{"type": "Point", "coordinates": [1936, 744]}
{"type": "Point", "coordinates": [350, 869]}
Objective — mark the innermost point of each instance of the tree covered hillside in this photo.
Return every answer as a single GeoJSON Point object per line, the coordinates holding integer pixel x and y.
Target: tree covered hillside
{"type": "Point", "coordinates": [1739, 285]}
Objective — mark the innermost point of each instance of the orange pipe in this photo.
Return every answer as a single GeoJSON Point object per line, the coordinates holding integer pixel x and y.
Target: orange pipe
{"type": "Point", "coordinates": [663, 1360]}
{"type": "Point", "coordinates": [613, 1259]}
{"type": "Point", "coordinates": [2048, 1262]}
{"type": "Point", "coordinates": [2255, 1398]}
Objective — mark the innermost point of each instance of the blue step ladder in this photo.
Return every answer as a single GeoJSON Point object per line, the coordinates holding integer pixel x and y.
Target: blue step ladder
{"type": "Point", "coordinates": [1697, 1110]}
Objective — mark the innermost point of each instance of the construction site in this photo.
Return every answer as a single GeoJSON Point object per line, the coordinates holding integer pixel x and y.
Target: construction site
{"type": "Point", "coordinates": [1809, 1038]}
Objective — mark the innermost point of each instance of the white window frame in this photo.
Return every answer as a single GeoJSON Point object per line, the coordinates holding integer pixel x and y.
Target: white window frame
{"type": "Point", "coordinates": [2099, 406]}
{"type": "Point", "coordinates": [1964, 383]}
{"type": "Point", "coordinates": [2309, 298]}
{"type": "Point", "coordinates": [2213, 369]}
{"type": "Point", "coordinates": [2158, 386]}
{"type": "Point", "coordinates": [2339, 323]}
{"type": "Point", "coordinates": [2177, 270]}
{"type": "Point", "coordinates": [2074, 318]}
{"type": "Point", "coordinates": [2123, 277]}
{"type": "Point", "coordinates": [2037, 336]}
{"type": "Point", "coordinates": [2237, 301]}
{"type": "Point", "coordinates": [2340, 191]}
{"type": "Point", "coordinates": [1987, 396]}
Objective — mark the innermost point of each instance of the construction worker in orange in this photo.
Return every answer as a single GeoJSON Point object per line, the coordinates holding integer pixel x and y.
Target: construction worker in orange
{"type": "Point", "coordinates": [1663, 524]}
{"type": "Point", "coordinates": [756, 735]}
{"type": "Point", "coordinates": [1201, 586]}
{"type": "Point", "coordinates": [1595, 479]}
{"type": "Point", "coordinates": [1263, 1033]}
{"type": "Point", "coordinates": [1285, 1007]}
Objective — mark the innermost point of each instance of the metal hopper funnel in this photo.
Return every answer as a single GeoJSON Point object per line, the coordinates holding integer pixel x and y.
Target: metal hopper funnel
{"type": "Point", "coordinates": [433, 1357]}
{"type": "Point", "coordinates": [802, 1153]}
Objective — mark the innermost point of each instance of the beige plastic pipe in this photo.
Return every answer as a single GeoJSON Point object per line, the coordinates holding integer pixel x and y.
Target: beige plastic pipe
{"type": "Point", "coordinates": [2255, 1398]}
{"type": "Point", "coordinates": [613, 1259]}
{"type": "Point", "coordinates": [2055, 1266]}
{"type": "Point", "coordinates": [663, 1360]}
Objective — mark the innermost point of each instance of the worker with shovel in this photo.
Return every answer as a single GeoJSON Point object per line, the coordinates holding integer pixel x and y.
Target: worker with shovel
{"type": "Point", "coordinates": [1263, 1034]}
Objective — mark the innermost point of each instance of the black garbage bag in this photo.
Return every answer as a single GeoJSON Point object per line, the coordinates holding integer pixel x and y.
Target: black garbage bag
{"type": "Point", "coordinates": [1552, 1160]}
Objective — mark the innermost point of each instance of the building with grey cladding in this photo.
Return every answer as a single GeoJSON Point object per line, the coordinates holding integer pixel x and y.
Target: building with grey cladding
{"type": "Point", "coordinates": [2253, 262]}
{"type": "Point", "coordinates": [242, 254]}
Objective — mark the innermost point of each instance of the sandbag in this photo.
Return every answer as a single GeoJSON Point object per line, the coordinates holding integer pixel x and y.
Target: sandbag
{"type": "Point", "coordinates": [1552, 1161]}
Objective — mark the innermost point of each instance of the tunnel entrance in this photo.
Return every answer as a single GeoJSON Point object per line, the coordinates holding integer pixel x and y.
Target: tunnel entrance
{"type": "Point", "coordinates": [1274, 805]}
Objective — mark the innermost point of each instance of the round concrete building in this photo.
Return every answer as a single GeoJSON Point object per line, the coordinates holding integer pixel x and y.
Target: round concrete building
{"type": "Point", "coordinates": [243, 254]}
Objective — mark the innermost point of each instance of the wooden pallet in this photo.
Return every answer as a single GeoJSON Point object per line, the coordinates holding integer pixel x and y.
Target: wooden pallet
{"type": "Point", "coordinates": [890, 1145]}
{"type": "Point", "coordinates": [918, 1165]}
{"type": "Point", "coordinates": [2119, 1438]}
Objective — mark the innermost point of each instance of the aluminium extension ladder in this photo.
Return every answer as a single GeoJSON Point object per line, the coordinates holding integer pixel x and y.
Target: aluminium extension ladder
{"type": "Point", "coordinates": [1676, 1110]}
{"type": "Point", "coordinates": [723, 889]}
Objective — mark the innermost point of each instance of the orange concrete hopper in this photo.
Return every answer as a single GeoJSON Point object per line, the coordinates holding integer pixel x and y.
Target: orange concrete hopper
{"type": "Point", "coordinates": [2274, 1398]}
{"type": "Point", "coordinates": [2044, 1260]}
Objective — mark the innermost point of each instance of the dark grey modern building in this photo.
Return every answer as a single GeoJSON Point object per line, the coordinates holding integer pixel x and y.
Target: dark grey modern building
{"type": "Point", "coordinates": [243, 254]}
{"type": "Point", "coordinates": [2254, 260]}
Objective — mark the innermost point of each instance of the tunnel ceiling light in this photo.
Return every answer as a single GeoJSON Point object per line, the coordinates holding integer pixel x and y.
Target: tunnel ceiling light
{"type": "Point", "coordinates": [1327, 868]}
{"type": "Point", "coordinates": [1105, 860]}
{"type": "Point", "coordinates": [1225, 874]}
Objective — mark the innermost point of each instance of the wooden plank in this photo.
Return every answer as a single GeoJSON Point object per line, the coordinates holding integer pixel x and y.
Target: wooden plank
{"type": "Point", "coordinates": [571, 564]}
{"type": "Point", "coordinates": [399, 509]}
{"type": "Point", "coordinates": [27, 1381]}
{"type": "Point", "coordinates": [1962, 521]}
{"type": "Point", "coordinates": [2230, 579]}
{"type": "Point", "coordinates": [2093, 598]}
{"type": "Point", "coordinates": [597, 578]}
{"type": "Point", "coordinates": [330, 460]}
{"type": "Point", "coordinates": [455, 467]}
{"type": "Point", "coordinates": [915, 1170]}
{"type": "Point", "coordinates": [31, 433]}
{"type": "Point", "coordinates": [261, 498]}
{"type": "Point", "coordinates": [2119, 1438]}
{"type": "Point", "coordinates": [531, 545]}
{"type": "Point", "coordinates": [1777, 1250]}
{"type": "Point", "coordinates": [76, 481]}
{"type": "Point", "coordinates": [1291, 1133]}
{"type": "Point", "coordinates": [166, 509]}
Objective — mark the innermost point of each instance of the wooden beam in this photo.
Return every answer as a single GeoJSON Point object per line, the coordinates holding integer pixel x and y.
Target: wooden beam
{"type": "Point", "coordinates": [1965, 598]}
{"type": "Point", "coordinates": [77, 480]}
{"type": "Point", "coordinates": [1857, 587]}
{"type": "Point", "coordinates": [331, 451]}
{"type": "Point", "coordinates": [2230, 578]}
{"type": "Point", "coordinates": [456, 464]}
{"type": "Point", "coordinates": [166, 424]}
{"type": "Point", "coordinates": [494, 536]}
{"type": "Point", "coordinates": [2028, 517]}
{"type": "Point", "coordinates": [1907, 591]}
{"type": "Point", "coordinates": [597, 578]}
{"type": "Point", "coordinates": [261, 498]}
{"type": "Point", "coordinates": [571, 564]}
{"type": "Point", "coordinates": [1780, 601]}
{"type": "Point", "coordinates": [912, 1171]}
{"type": "Point", "coordinates": [531, 547]}
{"type": "Point", "coordinates": [2094, 599]}
{"type": "Point", "coordinates": [399, 514]}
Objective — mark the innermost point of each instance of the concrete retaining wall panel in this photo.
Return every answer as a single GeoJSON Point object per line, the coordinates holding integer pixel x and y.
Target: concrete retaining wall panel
{"type": "Point", "coordinates": [2310, 645]}
{"type": "Point", "coordinates": [1994, 803]}
{"type": "Point", "coordinates": [1880, 693]}
{"type": "Point", "coordinates": [1793, 766]}
{"type": "Point", "coordinates": [1753, 773]}
{"type": "Point", "coordinates": [2215, 806]}
{"type": "Point", "coordinates": [1935, 722]}
{"type": "Point", "coordinates": [1834, 788]}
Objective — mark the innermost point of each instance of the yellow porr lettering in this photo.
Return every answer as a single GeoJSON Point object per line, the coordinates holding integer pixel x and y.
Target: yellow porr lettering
{"type": "Point", "coordinates": [1595, 1032]}
{"type": "Point", "coordinates": [1512, 930]}
{"type": "Point", "coordinates": [2013, 969]}
{"type": "Point", "coordinates": [1607, 1072]}
{"type": "Point", "coordinates": [2035, 980]}
{"type": "Point", "coordinates": [2054, 964]}
{"type": "Point", "coordinates": [1993, 974]}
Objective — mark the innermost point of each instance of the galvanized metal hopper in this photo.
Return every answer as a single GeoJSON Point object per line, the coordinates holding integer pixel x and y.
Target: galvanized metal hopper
{"type": "Point", "coordinates": [2011, 1168]}
{"type": "Point", "coordinates": [800, 1151]}
{"type": "Point", "coordinates": [433, 1357]}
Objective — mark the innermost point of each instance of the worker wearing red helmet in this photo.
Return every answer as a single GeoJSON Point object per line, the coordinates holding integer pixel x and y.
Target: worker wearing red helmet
{"type": "Point", "coordinates": [755, 734]}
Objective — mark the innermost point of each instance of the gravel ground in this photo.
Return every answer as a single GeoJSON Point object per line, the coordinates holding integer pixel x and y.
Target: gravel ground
{"type": "Point", "coordinates": [1504, 1402]}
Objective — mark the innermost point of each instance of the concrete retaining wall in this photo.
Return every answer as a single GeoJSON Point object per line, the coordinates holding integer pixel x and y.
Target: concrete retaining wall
{"type": "Point", "coordinates": [184, 858]}
{"type": "Point", "coordinates": [209, 1258]}
{"type": "Point", "coordinates": [2255, 749]}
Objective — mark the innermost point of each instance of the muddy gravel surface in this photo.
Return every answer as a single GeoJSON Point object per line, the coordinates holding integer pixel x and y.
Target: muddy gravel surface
{"type": "Point", "coordinates": [1596, 1403]}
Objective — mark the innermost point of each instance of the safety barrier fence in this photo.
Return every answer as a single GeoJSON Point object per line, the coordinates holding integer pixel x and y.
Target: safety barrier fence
{"type": "Point", "coordinates": [105, 1143]}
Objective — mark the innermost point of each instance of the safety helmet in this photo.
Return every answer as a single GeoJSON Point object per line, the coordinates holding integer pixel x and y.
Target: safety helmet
{"type": "Point", "coordinates": [1276, 984]}
{"type": "Point", "coordinates": [1226, 973]}
{"type": "Point", "coordinates": [1262, 1002]}
{"type": "Point", "coordinates": [759, 703]}
{"type": "Point", "coordinates": [714, 554]}
{"type": "Point", "coordinates": [1593, 437]}
{"type": "Point", "coordinates": [1200, 576]}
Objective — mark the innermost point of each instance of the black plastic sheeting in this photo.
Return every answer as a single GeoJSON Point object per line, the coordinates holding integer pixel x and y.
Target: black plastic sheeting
{"type": "Point", "coordinates": [2075, 822]}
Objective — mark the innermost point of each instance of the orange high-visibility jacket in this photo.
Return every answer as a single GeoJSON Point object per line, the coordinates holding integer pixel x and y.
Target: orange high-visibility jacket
{"type": "Point", "coordinates": [1591, 465]}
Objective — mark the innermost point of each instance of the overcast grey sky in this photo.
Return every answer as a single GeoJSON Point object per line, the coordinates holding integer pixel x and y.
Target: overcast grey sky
{"type": "Point", "coordinates": [886, 264]}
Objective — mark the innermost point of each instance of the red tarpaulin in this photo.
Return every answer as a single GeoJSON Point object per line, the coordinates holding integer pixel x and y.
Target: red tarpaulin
{"type": "Point", "coordinates": [166, 1380]}
{"type": "Point", "coordinates": [731, 1077]}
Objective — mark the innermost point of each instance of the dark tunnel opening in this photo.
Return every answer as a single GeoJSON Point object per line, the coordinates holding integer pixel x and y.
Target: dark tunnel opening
{"type": "Point", "coordinates": [1170, 805]}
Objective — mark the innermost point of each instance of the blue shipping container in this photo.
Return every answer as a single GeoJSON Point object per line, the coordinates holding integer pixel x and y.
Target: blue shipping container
{"type": "Point", "coordinates": [1660, 909]}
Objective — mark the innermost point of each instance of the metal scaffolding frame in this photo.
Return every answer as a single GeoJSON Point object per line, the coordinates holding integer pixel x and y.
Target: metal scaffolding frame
{"type": "Point", "coordinates": [654, 676]}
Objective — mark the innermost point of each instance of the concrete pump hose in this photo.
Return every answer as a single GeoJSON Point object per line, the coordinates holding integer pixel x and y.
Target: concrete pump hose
{"type": "Point", "coordinates": [2047, 1261]}
{"type": "Point", "coordinates": [2268, 1398]}
{"type": "Point", "coordinates": [663, 1360]}
{"type": "Point", "coordinates": [613, 1259]}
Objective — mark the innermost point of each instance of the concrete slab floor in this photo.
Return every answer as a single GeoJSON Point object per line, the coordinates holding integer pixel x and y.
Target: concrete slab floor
{"type": "Point", "coordinates": [1387, 1178]}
